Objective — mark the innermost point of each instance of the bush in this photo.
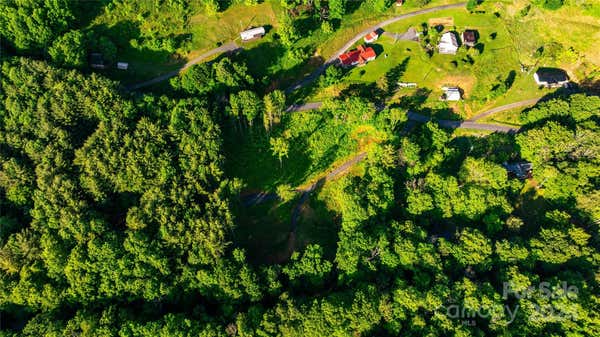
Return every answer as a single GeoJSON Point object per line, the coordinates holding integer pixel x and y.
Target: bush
{"type": "Point", "coordinates": [333, 75]}
{"type": "Point", "coordinates": [326, 27]}
{"type": "Point", "coordinates": [472, 4]}
{"type": "Point", "coordinates": [553, 4]}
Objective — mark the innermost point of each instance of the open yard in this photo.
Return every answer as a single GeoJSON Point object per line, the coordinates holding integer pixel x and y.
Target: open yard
{"type": "Point", "coordinates": [479, 72]}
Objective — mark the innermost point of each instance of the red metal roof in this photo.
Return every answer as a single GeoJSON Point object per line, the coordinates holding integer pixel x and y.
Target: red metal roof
{"type": "Point", "coordinates": [368, 53]}
{"type": "Point", "coordinates": [371, 36]}
{"type": "Point", "coordinates": [359, 55]}
{"type": "Point", "coordinates": [350, 57]}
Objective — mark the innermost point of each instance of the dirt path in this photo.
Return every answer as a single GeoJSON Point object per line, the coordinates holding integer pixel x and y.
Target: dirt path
{"type": "Point", "coordinates": [229, 47]}
{"type": "Point", "coordinates": [330, 176]}
{"type": "Point", "coordinates": [333, 59]}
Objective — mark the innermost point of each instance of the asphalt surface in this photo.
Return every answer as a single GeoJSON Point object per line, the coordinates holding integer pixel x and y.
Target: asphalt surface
{"type": "Point", "coordinates": [409, 35]}
{"type": "Point", "coordinates": [468, 124]}
{"type": "Point", "coordinates": [504, 108]}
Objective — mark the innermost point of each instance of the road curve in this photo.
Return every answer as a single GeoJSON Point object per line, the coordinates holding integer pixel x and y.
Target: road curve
{"type": "Point", "coordinates": [229, 47]}
{"type": "Point", "coordinates": [504, 108]}
{"type": "Point", "coordinates": [311, 77]}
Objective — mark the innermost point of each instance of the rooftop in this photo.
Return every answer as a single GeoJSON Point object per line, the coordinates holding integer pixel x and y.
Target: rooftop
{"type": "Point", "coordinates": [551, 75]}
{"type": "Point", "coordinates": [470, 36]}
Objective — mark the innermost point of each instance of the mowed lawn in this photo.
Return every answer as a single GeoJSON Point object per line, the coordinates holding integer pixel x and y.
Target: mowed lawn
{"type": "Point", "coordinates": [502, 56]}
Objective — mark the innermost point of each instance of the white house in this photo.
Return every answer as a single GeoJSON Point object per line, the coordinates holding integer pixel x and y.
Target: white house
{"type": "Point", "coordinates": [448, 43]}
{"type": "Point", "coordinates": [253, 33]}
{"type": "Point", "coordinates": [122, 65]}
{"type": "Point", "coordinates": [452, 94]}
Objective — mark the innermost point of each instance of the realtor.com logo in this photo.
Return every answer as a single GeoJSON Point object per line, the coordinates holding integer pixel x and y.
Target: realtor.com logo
{"type": "Point", "coordinates": [540, 306]}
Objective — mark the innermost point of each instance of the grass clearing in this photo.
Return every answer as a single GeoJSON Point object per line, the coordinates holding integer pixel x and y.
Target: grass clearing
{"type": "Point", "coordinates": [208, 31]}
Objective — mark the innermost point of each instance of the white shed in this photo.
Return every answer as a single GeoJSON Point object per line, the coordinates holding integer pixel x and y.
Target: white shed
{"type": "Point", "coordinates": [452, 94]}
{"type": "Point", "coordinates": [253, 33]}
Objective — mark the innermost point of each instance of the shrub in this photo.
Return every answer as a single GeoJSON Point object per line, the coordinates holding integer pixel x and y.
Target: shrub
{"type": "Point", "coordinates": [553, 4]}
{"type": "Point", "coordinates": [471, 5]}
{"type": "Point", "coordinates": [326, 27]}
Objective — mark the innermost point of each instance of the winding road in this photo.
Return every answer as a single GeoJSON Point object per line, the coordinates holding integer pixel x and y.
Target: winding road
{"type": "Point", "coordinates": [469, 124]}
{"type": "Point", "coordinates": [415, 117]}
{"type": "Point", "coordinates": [232, 46]}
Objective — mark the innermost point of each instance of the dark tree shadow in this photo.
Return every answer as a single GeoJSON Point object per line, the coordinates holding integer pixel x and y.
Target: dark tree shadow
{"type": "Point", "coordinates": [393, 75]}
{"type": "Point", "coordinates": [305, 25]}
{"type": "Point", "coordinates": [89, 10]}
{"type": "Point", "coordinates": [352, 6]}
{"type": "Point", "coordinates": [510, 79]}
{"type": "Point", "coordinates": [480, 47]}
{"type": "Point", "coordinates": [590, 85]}
{"type": "Point", "coordinates": [369, 91]}
{"type": "Point", "coordinates": [414, 101]}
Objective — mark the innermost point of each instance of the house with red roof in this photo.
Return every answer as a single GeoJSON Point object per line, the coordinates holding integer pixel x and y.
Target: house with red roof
{"type": "Point", "coordinates": [371, 37]}
{"type": "Point", "coordinates": [358, 56]}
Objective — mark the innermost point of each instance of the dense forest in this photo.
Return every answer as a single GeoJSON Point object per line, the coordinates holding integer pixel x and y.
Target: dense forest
{"type": "Point", "coordinates": [119, 212]}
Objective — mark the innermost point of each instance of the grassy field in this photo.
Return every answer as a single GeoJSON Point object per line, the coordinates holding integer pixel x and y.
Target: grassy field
{"type": "Point", "coordinates": [210, 30]}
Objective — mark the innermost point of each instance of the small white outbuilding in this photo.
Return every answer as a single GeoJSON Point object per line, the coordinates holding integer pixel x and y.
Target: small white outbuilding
{"type": "Point", "coordinates": [253, 33]}
{"type": "Point", "coordinates": [452, 94]}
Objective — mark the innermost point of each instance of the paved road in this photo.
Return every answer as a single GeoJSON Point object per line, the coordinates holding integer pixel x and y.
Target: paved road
{"type": "Point", "coordinates": [504, 108]}
{"type": "Point", "coordinates": [409, 35]}
{"type": "Point", "coordinates": [303, 107]}
{"type": "Point", "coordinates": [463, 124]}
{"type": "Point", "coordinates": [229, 47]}
{"type": "Point", "coordinates": [359, 36]}
{"type": "Point", "coordinates": [469, 124]}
